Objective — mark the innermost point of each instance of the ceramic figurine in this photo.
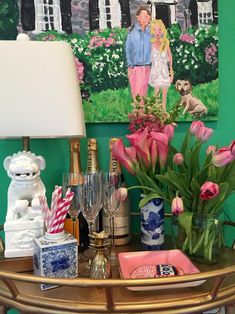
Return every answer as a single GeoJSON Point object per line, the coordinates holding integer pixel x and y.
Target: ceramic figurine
{"type": "Point", "coordinates": [26, 186]}
{"type": "Point", "coordinates": [24, 213]}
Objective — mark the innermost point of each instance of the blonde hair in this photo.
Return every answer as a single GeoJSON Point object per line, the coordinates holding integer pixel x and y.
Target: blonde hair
{"type": "Point", "coordinates": [164, 40]}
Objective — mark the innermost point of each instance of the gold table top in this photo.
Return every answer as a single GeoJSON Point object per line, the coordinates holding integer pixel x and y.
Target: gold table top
{"type": "Point", "coordinates": [20, 289]}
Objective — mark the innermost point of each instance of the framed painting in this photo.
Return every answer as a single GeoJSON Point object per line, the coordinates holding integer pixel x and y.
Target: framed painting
{"type": "Point", "coordinates": [175, 55]}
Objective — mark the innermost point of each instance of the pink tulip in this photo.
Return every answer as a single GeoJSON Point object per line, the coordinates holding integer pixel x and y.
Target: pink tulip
{"type": "Point", "coordinates": [178, 159]}
{"type": "Point", "coordinates": [119, 152]}
{"type": "Point", "coordinates": [203, 134]}
{"type": "Point", "coordinates": [121, 194]}
{"type": "Point", "coordinates": [162, 146]}
{"type": "Point", "coordinates": [222, 157]}
{"type": "Point", "coordinates": [177, 205]}
{"type": "Point", "coordinates": [141, 143]}
{"type": "Point", "coordinates": [169, 130]}
{"type": "Point", "coordinates": [232, 148]}
{"type": "Point", "coordinates": [209, 190]}
{"type": "Point", "coordinates": [195, 126]}
{"type": "Point", "coordinates": [211, 149]}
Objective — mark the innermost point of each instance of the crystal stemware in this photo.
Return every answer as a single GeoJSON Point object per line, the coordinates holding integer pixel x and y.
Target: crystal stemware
{"type": "Point", "coordinates": [111, 184]}
{"type": "Point", "coordinates": [90, 198]}
{"type": "Point", "coordinates": [71, 181]}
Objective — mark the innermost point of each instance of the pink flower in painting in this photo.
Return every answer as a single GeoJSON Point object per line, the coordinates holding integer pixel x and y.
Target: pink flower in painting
{"type": "Point", "coordinates": [190, 39]}
{"type": "Point", "coordinates": [110, 41]}
{"type": "Point", "coordinates": [49, 37]}
{"type": "Point", "coordinates": [80, 70]}
{"type": "Point", "coordinates": [211, 54]}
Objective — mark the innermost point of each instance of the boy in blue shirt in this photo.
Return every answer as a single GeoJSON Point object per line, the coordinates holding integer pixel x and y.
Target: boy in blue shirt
{"type": "Point", "coordinates": [138, 51]}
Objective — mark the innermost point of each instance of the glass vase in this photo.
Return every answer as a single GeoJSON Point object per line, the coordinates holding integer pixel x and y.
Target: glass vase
{"type": "Point", "coordinates": [203, 240]}
{"type": "Point", "coordinates": [152, 225]}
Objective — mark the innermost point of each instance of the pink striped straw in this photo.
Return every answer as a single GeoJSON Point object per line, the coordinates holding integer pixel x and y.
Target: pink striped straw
{"type": "Point", "coordinates": [62, 211]}
{"type": "Point", "coordinates": [59, 210]}
{"type": "Point", "coordinates": [45, 210]}
{"type": "Point", "coordinates": [55, 200]}
{"type": "Point", "coordinates": [66, 205]}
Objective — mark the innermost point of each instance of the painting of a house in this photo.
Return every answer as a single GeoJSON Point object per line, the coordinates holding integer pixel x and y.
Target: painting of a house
{"type": "Point", "coordinates": [97, 29]}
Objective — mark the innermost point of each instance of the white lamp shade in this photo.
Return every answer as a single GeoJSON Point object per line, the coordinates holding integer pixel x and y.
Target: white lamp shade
{"type": "Point", "coordinates": [39, 90]}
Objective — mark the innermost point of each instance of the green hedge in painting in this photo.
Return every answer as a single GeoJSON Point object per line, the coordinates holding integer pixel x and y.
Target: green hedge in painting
{"type": "Point", "coordinates": [102, 70]}
{"type": "Point", "coordinates": [195, 53]}
{"type": "Point", "coordinates": [9, 16]}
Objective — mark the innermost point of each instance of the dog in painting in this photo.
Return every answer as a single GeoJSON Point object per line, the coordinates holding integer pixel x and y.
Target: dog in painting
{"type": "Point", "coordinates": [191, 104]}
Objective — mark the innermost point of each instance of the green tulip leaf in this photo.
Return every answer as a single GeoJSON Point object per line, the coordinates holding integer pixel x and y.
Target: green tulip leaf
{"type": "Point", "coordinates": [193, 166]}
{"type": "Point", "coordinates": [179, 182]}
{"type": "Point", "coordinates": [147, 199]}
{"type": "Point", "coordinates": [185, 143]}
{"type": "Point", "coordinates": [185, 219]}
{"type": "Point", "coordinates": [202, 175]}
{"type": "Point", "coordinates": [196, 191]}
{"type": "Point", "coordinates": [149, 182]}
{"type": "Point", "coordinates": [231, 183]}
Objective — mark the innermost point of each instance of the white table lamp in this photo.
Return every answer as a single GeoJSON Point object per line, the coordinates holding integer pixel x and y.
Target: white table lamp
{"type": "Point", "coordinates": [39, 98]}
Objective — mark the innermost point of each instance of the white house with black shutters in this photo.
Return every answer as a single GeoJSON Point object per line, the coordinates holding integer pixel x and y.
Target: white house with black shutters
{"type": "Point", "coordinates": [109, 13]}
{"type": "Point", "coordinates": [45, 15]}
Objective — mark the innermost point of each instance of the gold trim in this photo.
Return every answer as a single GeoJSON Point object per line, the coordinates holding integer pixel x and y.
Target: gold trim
{"type": "Point", "coordinates": [84, 295]}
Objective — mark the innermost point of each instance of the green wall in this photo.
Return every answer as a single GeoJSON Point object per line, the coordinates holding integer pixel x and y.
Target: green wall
{"type": "Point", "coordinates": [56, 152]}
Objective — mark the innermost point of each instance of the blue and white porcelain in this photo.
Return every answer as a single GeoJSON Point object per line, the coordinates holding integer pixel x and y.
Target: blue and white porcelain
{"type": "Point", "coordinates": [55, 258]}
{"type": "Point", "coordinates": [152, 225]}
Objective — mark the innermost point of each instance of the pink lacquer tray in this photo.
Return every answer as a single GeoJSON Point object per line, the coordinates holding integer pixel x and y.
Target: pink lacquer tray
{"type": "Point", "coordinates": [129, 262]}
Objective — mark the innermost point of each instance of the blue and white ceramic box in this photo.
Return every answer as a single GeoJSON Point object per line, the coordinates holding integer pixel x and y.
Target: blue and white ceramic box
{"type": "Point", "coordinates": [55, 257]}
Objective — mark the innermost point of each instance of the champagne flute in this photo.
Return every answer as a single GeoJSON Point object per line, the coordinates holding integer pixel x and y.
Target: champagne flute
{"type": "Point", "coordinates": [71, 181]}
{"type": "Point", "coordinates": [90, 198]}
{"type": "Point", "coordinates": [111, 203]}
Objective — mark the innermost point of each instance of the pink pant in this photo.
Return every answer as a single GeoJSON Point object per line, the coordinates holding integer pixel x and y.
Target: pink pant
{"type": "Point", "coordinates": [139, 80]}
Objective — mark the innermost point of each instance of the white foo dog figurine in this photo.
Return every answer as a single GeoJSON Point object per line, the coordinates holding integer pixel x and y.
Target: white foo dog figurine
{"type": "Point", "coordinates": [24, 214]}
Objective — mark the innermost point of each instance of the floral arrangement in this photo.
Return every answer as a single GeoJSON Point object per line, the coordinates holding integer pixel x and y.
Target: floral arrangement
{"type": "Point", "coordinates": [196, 188]}
{"type": "Point", "coordinates": [188, 184]}
{"type": "Point", "coordinates": [151, 131]}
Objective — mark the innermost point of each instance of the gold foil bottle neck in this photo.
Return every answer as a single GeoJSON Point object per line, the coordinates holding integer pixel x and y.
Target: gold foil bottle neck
{"type": "Point", "coordinates": [92, 144]}
{"type": "Point", "coordinates": [112, 141]}
{"type": "Point", "coordinates": [75, 161]}
{"type": "Point", "coordinates": [92, 161]}
{"type": "Point", "coordinates": [114, 165]}
{"type": "Point", "coordinates": [75, 145]}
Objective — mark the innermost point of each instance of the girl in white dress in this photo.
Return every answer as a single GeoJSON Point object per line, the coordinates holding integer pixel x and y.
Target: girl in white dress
{"type": "Point", "coordinates": [161, 74]}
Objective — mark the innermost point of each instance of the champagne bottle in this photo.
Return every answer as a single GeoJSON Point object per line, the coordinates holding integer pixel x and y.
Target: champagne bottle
{"type": "Point", "coordinates": [81, 227]}
{"type": "Point", "coordinates": [93, 166]}
{"type": "Point", "coordinates": [122, 217]}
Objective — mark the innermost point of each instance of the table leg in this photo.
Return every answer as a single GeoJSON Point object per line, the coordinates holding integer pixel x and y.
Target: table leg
{"type": "Point", "coordinates": [230, 308]}
{"type": "Point", "coordinates": [3, 309]}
